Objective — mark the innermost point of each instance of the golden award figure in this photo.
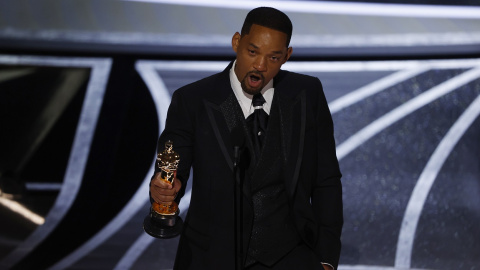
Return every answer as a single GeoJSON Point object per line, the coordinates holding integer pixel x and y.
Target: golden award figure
{"type": "Point", "coordinates": [163, 220]}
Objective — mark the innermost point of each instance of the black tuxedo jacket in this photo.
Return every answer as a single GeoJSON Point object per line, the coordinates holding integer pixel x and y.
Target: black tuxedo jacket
{"type": "Point", "coordinates": [201, 119]}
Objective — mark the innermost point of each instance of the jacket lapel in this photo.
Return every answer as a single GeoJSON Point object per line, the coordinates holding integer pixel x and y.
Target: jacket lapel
{"type": "Point", "coordinates": [292, 108]}
{"type": "Point", "coordinates": [226, 118]}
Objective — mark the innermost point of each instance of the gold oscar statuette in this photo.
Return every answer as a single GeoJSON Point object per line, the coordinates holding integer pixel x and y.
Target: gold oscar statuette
{"type": "Point", "coordinates": [163, 220]}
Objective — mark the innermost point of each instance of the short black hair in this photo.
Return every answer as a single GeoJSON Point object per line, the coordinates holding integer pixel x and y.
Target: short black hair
{"type": "Point", "coordinates": [270, 18]}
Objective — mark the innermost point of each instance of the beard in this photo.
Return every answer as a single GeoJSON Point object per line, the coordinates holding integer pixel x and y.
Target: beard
{"type": "Point", "coordinates": [252, 90]}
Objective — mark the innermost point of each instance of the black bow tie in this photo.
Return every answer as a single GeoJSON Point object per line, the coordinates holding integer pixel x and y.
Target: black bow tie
{"type": "Point", "coordinates": [258, 121]}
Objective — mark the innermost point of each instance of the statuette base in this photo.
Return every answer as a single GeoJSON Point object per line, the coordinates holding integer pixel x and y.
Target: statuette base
{"type": "Point", "coordinates": [162, 226]}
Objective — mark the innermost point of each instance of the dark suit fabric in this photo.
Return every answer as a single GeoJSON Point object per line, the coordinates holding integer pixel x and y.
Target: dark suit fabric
{"type": "Point", "coordinates": [200, 120]}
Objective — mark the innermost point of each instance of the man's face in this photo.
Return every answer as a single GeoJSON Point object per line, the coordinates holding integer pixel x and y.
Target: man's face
{"type": "Point", "coordinates": [260, 55]}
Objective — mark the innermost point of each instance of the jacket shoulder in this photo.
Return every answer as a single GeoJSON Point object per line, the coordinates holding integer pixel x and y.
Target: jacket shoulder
{"type": "Point", "coordinates": [294, 83]}
{"type": "Point", "coordinates": [289, 76]}
{"type": "Point", "coordinates": [200, 87]}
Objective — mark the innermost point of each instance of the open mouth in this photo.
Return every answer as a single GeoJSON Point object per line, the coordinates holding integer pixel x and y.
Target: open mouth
{"type": "Point", "coordinates": [255, 80]}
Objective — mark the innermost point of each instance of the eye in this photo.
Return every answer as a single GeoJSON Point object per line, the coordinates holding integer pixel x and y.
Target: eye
{"type": "Point", "coordinates": [251, 51]}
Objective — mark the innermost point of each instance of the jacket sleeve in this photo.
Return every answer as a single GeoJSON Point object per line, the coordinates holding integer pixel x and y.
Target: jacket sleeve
{"type": "Point", "coordinates": [326, 194]}
{"type": "Point", "coordinates": [179, 129]}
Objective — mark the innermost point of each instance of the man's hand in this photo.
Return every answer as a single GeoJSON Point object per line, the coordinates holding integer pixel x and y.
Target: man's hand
{"type": "Point", "coordinates": [163, 192]}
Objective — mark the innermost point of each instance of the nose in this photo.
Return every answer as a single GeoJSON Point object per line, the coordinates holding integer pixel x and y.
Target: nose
{"type": "Point", "coordinates": [260, 64]}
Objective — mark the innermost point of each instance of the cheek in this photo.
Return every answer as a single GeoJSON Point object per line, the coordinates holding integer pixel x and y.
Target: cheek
{"type": "Point", "coordinates": [244, 68]}
{"type": "Point", "coordinates": [245, 63]}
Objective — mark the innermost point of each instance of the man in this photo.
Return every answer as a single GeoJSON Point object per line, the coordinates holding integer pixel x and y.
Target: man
{"type": "Point", "coordinates": [292, 197]}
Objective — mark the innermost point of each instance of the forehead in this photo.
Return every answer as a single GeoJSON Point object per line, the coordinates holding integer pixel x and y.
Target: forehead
{"type": "Point", "coordinates": [262, 36]}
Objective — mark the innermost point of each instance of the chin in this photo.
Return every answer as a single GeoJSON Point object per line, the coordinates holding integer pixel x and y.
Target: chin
{"type": "Point", "coordinates": [250, 90]}
{"type": "Point", "coordinates": [253, 92]}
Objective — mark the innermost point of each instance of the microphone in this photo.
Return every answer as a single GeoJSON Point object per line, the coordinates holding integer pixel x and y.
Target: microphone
{"type": "Point", "coordinates": [238, 140]}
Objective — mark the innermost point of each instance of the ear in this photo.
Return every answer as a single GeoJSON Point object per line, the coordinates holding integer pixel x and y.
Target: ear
{"type": "Point", "coordinates": [289, 52]}
{"type": "Point", "coordinates": [236, 41]}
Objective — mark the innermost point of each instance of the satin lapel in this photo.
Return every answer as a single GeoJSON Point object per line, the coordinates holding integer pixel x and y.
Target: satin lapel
{"type": "Point", "coordinates": [293, 121]}
{"type": "Point", "coordinates": [221, 131]}
{"type": "Point", "coordinates": [226, 116]}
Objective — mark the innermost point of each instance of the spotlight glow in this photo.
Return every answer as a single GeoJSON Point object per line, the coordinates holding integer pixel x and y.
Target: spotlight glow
{"type": "Point", "coordinates": [22, 210]}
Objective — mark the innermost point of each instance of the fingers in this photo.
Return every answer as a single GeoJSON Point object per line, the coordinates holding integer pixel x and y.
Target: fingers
{"type": "Point", "coordinates": [177, 184]}
{"type": "Point", "coordinates": [160, 197]}
{"type": "Point", "coordinates": [163, 192]}
{"type": "Point", "coordinates": [157, 181]}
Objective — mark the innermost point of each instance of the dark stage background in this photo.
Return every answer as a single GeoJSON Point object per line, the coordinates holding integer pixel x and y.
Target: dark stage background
{"type": "Point", "coordinates": [85, 85]}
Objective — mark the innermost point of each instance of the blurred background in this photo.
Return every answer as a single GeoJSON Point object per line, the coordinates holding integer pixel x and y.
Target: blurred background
{"type": "Point", "coordinates": [85, 85]}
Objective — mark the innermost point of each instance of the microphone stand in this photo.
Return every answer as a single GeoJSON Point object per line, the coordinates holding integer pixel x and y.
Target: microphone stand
{"type": "Point", "coordinates": [238, 199]}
